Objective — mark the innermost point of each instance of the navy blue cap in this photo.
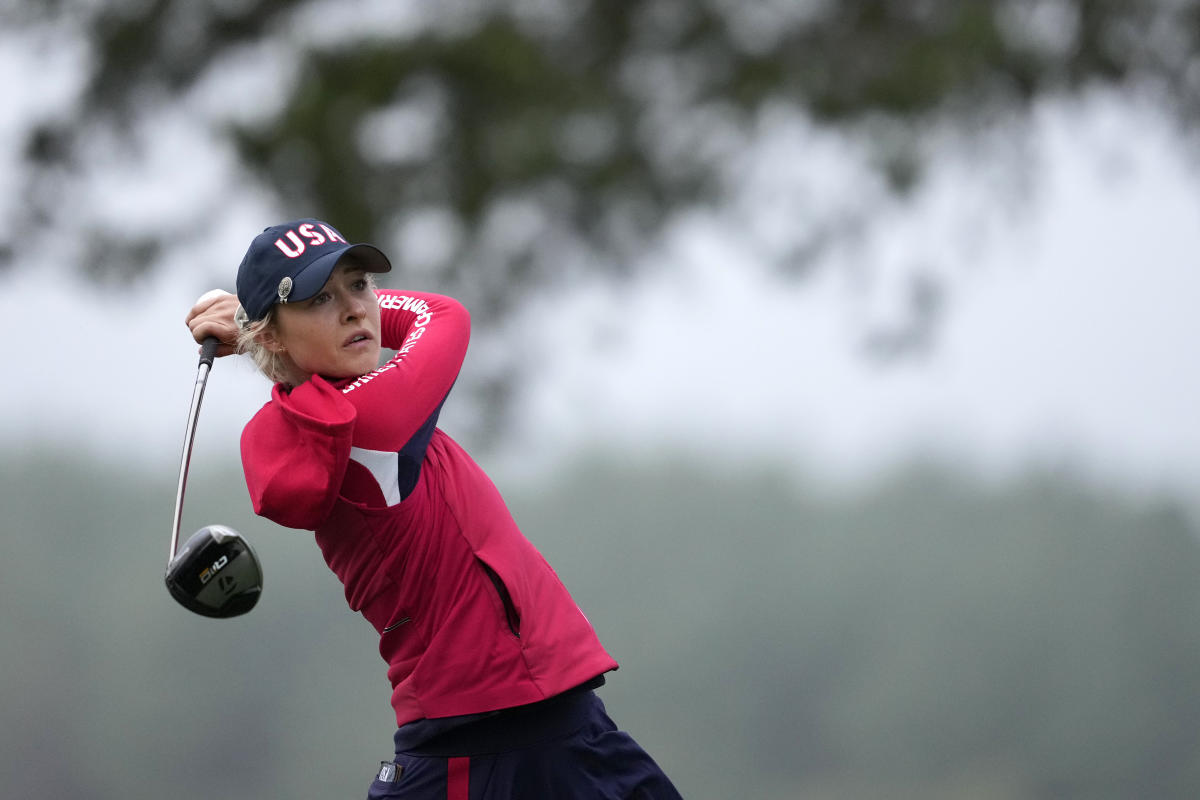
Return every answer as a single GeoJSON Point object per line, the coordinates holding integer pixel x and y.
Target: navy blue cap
{"type": "Point", "coordinates": [290, 262]}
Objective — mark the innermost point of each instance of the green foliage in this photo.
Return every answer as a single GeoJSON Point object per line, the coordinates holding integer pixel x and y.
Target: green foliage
{"type": "Point", "coordinates": [535, 143]}
{"type": "Point", "coordinates": [520, 84]}
{"type": "Point", "coordinates": [925, 637]}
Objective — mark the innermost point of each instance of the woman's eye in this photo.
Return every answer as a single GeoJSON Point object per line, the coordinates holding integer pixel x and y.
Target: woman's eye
{"type": "Point", "coordinates": [360, 284]}
{"type": "Point", "coordinates": [323, 297]}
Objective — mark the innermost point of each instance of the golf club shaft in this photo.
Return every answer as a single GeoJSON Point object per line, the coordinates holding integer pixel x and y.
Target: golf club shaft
{"type": "Point", "coordinates": [208, 351]}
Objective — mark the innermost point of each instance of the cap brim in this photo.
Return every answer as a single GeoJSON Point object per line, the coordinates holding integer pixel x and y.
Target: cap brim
{"type": "Point", "coordinates": [308, 282]}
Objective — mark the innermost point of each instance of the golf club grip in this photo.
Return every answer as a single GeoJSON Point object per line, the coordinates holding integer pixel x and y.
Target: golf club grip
{"type": "Point", "coordinates": [208, 350]}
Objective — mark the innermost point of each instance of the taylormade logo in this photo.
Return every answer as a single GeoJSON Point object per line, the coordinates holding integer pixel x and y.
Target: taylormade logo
{"type": "Point", "coordinates": [314, 236]}
{"type": "Point", "coordinates": [207, 573]}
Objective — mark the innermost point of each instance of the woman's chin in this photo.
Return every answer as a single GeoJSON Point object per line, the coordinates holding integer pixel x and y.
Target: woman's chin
{"type": "Point", "coordinates": [355, 368]}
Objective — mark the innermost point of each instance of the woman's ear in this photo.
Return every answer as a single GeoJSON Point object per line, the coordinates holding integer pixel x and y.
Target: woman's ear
{"type": "Point", "coordinates": [270, 341]}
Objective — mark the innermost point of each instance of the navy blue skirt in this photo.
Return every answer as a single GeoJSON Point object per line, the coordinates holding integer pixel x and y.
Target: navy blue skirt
{"type": "Point", "coordinates": [564, 748]}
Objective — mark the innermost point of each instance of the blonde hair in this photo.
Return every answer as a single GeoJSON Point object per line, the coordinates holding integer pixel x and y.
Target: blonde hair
{"type": "Point", "coordinates": [277, 367]}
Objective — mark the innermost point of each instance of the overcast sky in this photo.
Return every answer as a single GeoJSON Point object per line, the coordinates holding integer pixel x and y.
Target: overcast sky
{"type": "Point", "coordinates": [1069, 330]}
{"type": "Point", "coordinates": [1069, 333]}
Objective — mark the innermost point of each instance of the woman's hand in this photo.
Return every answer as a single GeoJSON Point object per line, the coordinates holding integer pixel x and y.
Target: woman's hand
{"type": "Point", "coordinates": [212, 315]}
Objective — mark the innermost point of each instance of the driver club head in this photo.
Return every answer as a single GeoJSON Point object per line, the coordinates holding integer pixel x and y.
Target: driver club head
{"type": "Point", "coordinates": [215, 573]}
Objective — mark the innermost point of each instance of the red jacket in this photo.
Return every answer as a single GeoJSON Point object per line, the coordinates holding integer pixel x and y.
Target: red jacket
{"type": "Point", "coordinates": [471, 617]}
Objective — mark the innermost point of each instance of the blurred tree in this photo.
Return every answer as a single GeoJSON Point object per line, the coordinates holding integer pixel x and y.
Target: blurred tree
{"type": "Point", "coordinates": [931, 636]}
{"type": "Point", "coordinates": [509, 145]}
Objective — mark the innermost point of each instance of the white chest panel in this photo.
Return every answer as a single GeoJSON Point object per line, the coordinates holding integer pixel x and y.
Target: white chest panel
{"type": "Point", "coordinates": [385, 466]}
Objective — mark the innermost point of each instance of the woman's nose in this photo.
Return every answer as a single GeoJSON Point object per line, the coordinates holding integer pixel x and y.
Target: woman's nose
{"type": "Point", "coordinates": [354, 308]}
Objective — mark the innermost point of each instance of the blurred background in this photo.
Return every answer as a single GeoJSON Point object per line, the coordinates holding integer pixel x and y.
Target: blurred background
{"type": "Point", "coordinates": [840, 356]}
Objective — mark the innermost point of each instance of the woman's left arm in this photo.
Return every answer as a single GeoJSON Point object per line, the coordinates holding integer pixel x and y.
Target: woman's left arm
{"type": "Point", "coordinates": [430, 333]}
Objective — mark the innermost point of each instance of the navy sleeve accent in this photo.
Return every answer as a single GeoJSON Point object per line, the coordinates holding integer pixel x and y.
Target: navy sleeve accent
{"type": "Point", "coordinates": [412, 455]}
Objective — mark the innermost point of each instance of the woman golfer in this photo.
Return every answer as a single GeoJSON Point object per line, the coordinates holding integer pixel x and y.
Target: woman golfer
{"type": "Point", "coordinates": [492, 664]}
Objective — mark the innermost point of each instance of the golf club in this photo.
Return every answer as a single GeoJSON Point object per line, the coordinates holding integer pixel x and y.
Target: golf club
{"type": "Point", "coordinates": [216, 574]}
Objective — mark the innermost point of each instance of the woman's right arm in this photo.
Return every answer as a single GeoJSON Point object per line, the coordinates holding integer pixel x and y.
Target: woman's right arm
{"type": "Point", "coordinates": [295, 451]}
